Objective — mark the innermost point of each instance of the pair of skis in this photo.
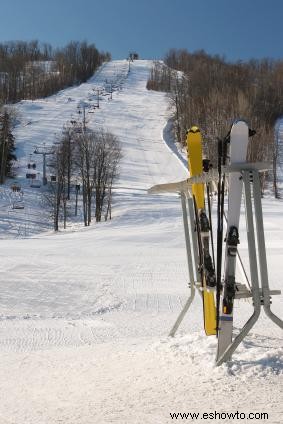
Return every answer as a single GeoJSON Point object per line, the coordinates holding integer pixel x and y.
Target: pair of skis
{"type": "Point", "coordinates": [238, 139]}
{"type": "Point", "coordinates": [206, 270]}
{"type": "Point", "coordinates": [218, 319]}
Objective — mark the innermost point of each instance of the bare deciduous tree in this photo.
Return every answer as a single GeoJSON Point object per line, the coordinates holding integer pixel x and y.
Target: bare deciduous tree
{"type": "Point", "coordinates": [107, 157]}
{"type": "Point", "coordinates": [97, 157]}
{"type": "Point", "coordinates": [59, 194]}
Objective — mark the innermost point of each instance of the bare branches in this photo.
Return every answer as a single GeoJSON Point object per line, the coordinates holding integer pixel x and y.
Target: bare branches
{"type": "Point", "coordinates": [98, 156]}
{"type": "Point", "coordinates": [29, 70]}
{"type": "Point", "coordinates": [209, 92]}
{"type": "Point", "coordinates": [89, 159]}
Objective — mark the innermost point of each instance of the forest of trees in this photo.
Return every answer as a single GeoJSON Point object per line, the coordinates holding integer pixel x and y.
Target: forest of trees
{"type": "Point", "coordinates": [209, 92]}
{"type": "Point", "coordinates": [29, 70]}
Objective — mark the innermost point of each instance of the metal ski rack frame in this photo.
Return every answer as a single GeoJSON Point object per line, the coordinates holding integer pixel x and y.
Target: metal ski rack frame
{"type": "Point", "coordinates": [260, 292]}
{"type": "Point", "coordinates": [184, 189]}
{"type": "Point", "coordinates": [192, 254]}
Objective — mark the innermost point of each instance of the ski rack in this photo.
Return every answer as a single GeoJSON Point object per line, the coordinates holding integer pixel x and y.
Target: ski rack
{"type": "Point", "coordinates": [184, 189]}
{"type": "Point", "coordinates": [260, 292]}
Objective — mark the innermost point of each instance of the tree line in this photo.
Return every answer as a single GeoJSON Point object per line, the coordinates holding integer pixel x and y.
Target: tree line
{"type": "Point", "coordinates": [210, 92]}
{"type": "Point", "coordinates": [29, 70]}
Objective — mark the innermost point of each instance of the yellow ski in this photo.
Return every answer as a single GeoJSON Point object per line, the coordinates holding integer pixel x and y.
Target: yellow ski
{"type": "Point", "coordinates": [194, 148]}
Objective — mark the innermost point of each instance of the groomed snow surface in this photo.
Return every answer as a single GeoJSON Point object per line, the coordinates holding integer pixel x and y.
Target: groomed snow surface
{"type": "Point", "coordinates": [85, 313]}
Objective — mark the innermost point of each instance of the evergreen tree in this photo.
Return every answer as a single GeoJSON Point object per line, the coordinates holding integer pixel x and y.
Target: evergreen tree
{"type": "Point", "coordinates": [7, 146]}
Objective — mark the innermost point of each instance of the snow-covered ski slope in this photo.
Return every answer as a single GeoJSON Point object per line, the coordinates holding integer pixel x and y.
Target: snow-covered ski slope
{"type": "Point", "coordinates": [85, 314]}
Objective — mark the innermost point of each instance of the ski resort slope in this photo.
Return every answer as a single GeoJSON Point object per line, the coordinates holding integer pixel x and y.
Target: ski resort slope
{"type": "Point", "coordinates": [85, 313]}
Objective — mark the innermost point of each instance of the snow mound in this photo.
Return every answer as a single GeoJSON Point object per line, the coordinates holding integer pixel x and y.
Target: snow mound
{"type": "Point", "coordinates": [107, 301]}
{"type": "Point", "coordinates": [257, 356]}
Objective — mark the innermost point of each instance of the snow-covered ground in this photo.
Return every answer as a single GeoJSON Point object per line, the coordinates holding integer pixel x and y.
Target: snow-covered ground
{"type": "Point", "coordinates": [85, 314]}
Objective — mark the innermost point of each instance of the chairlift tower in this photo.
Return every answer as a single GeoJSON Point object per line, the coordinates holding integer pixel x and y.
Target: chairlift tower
{"type": "Point", "coordinates": [82, 105]}
{"type": "Point", "coordinates": [77, 193]}
{"type": "Point", "coordinates": [98, 91]}
{"type": "Point", "coordinates": [44, 151]}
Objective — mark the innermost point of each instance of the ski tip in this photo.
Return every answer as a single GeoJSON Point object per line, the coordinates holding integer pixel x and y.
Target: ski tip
{"type": "Point", "coordinates": [239, 121]}
{"type": "Point", "coordinates": [194, 129]}
{"type": "Point", "coordinates": [244, 124]}
{"type": "Point", "coordinates": [239, 127]}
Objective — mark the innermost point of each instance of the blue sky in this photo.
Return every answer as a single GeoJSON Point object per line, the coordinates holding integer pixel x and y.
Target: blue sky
{"type": "Point", "coordinates": [238, 30]}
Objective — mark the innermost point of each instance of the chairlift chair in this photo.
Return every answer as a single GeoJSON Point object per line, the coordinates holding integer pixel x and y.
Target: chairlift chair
{"type": "Point", "coordinates": [18, 205]}
{"type": "Point", "coordinates": [16, 188]}
{"type": "Point", "coordinates": [31, 165]}
{"type": "Point", "coordinates": [35, 184]}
